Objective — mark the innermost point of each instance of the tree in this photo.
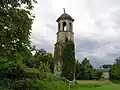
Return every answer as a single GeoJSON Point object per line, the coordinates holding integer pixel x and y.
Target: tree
{"type": "Point", "coordinates": [87, 69]}
{"type": "Point", "coordinates": [19, 70]}
{"type": "Point", "coordinates": [115, 70]}
{"type": "Point", "coordinates": [79, 71]}
{"type": "Point", "coordinates": [15, 26]}
{"type": "Point", "coordinates": [96, 74]}
{"type": "Point", "coordinates": [45, 57]}
{"type": "Point", "coordinates": [68, 57]}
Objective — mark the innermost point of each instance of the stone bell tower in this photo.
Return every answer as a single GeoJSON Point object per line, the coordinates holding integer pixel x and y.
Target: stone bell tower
{"type": "Point", "coordinates": [65, 31]}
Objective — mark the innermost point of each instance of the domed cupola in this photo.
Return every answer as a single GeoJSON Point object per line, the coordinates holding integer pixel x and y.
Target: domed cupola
{"type": "Point", "coordinates": [65, 16]}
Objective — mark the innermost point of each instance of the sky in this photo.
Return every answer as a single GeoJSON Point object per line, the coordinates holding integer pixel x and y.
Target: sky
{"type": "Point", "coordinates": [96, 27]}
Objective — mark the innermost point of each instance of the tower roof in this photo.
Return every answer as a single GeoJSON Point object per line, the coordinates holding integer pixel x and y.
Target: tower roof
{"type": "Point", "coordinates": [65, 16]}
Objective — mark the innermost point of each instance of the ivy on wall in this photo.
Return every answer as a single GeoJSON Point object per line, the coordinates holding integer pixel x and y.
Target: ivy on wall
{"type": "Point", "coordinates": [68, 57]}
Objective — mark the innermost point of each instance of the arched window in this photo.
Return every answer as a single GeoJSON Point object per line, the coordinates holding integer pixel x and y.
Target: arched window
{"type": "Point", "coordinates": [70, 26]}
{"type": "Point", "coordinates": [64, 26]}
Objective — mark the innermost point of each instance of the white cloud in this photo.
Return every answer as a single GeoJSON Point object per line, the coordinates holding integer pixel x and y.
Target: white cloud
{"type": "Point", "coordinates": [96, 27]}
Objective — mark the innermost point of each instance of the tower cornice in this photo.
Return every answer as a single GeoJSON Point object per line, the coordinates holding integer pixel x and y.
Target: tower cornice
{"type": "Point", "coordinates": [64, 31]}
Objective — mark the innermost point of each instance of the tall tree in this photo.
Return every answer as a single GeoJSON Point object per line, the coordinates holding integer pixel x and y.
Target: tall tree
{"type": "Point", "coordinates": [87, 69]}
{"type": "Point", "coordinates": [15, 26]}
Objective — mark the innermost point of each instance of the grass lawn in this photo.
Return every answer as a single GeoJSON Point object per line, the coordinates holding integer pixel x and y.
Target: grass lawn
{"type": "Point", "coordinates": [95, 85]}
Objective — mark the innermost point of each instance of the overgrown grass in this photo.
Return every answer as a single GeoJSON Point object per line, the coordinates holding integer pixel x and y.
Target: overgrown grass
{"type": "Point", "coordinates": [54, 85]}
{"type": "Point", "coordinates": [49, 85]}
{"type": "Point", "coordinates": [95, 85]}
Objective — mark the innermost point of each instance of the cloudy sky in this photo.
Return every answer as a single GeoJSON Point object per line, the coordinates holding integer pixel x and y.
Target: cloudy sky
{"type": "Point", "coordinates": [96, 27]}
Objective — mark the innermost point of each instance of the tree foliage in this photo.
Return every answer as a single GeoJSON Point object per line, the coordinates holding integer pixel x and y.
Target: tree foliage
{"type": "Point", "coordinates": [85, 71]}
{"type": "Point", "coordinates": [45, 57]}
{"type": "Point", "coordinates": [17, 75]}
{"type": "Point", "coordinates": [115, 70]}
{"type": "Point", "coordinates": [19, 69]}
{"type": "Point", "coordinates": [68, 57]}
{"type": "Point", "coordinates": [15, 26]}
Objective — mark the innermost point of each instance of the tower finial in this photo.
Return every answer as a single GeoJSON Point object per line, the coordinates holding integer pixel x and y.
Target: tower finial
{"type": "Point", "coordinates": [64, 10]}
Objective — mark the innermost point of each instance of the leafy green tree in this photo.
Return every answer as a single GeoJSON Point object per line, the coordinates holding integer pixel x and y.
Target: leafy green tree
{"type": "Point", "coordinates": [115, 70]}
{"type": "Point", "coordinates": [87, 69]}
{"type": "Point", "coordinates": [79, 70]}
{"type": "Point", "coordinates": [19, 70]}
{"type": "Point", "coordinates": [15, 26]}
{"type": "Point", "coordinates": [45, 57]}
{"type": "Point", "coordinates": [96, 74]}
{"type": "Point", "coordinates": [68, 57]}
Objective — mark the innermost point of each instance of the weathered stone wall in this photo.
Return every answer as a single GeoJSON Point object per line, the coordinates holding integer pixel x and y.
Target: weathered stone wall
{"type": "Point", "coordinates": [65, 34]}
{"type": "Point", "coordinates": [58, 59]}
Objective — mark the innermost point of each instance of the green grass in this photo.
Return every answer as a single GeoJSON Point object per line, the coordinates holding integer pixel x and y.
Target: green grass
{"type": "Point", "coordinates": [95, 85]}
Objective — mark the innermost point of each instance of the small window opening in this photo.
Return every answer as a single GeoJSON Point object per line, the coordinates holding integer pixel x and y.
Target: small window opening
{"type": "Point", "coordinates": [59, 26]}
{"type": "Point", "coordinates": [64, 26]}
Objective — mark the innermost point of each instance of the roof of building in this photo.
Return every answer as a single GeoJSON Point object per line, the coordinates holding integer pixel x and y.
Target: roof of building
{"type": "Point", "coordinates": [65, 16]}
{"type": "Point", "coordinates": [105, 70]}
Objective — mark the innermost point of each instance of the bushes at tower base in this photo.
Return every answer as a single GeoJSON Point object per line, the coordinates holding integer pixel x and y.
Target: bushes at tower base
{"type": "Point", "coordinates": [68, 57]}
{"type": "Point", "coordinates": [17, 75]}
{"type": "Point", "coordinates": [49, 85]}
{"type": "Point", "coordinates": [33, 84]}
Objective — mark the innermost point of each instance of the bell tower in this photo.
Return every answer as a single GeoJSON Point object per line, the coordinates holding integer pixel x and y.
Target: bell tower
{"type": "Point", "coordinates": [65, 32]}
